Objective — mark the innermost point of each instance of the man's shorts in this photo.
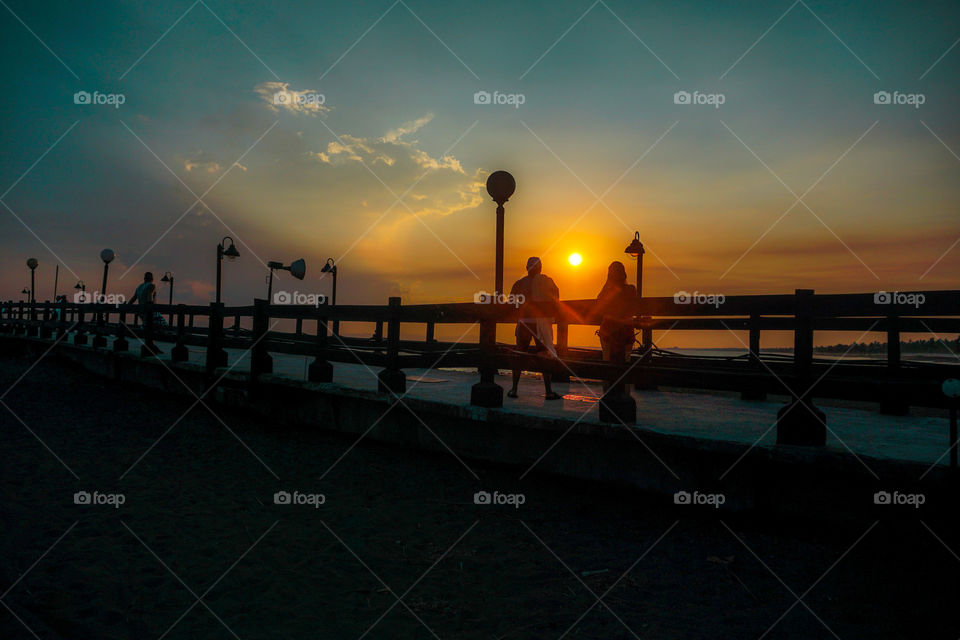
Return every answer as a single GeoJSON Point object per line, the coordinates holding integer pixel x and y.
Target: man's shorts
{"type": "Point", "coordinates": [527, 333]}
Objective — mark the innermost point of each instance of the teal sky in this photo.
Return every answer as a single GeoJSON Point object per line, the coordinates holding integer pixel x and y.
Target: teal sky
{"type": "Point", "coordinates": [798, 93]}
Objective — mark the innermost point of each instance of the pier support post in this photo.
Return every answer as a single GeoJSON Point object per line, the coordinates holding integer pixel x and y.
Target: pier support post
{"type": "Point", "coordinates": [487, 393]}
{"type": "Point", "coordinates": [148, 348]}
{"type": "Point", "coordinates": [260, 360]}
{"type": "Point", "coordinates": [800, 422]}
{"type": "Point", "coordinates": [99, 341]}
{"type": "Point", "coordinates": [320, 370]}
{"type": "Point", "coordinates": [216, 355]}
{"type": "Point", "coordinates": [892, 401]}
{"type": "Point", "coordinates": [45, 331]}
{"type": "Point", "coordinates": [179, 352]}
{"type": "Point", "coordinates": [120, 341]}
{"type": "Point", "coordinates": [563, 343]}
{"type": "Point", "coordinates": [392, 377]}
{"type": "Point", "coordinates": [80, 337]}
{"type": "Point", "coordinates": [753, 393]}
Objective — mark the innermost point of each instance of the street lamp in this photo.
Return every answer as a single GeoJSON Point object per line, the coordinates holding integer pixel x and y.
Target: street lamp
{"type": "Point", "coordinates": [297, 268]}
{"type": "Point", "coordinates": [230, 252]}
{"type": "Point", "coordinates": [81, 286]}
{"type": "Point", "coordinates": [636, 251]}
{"type": "Point", "coordinates": [331, 268]}
{"type": "Point", "coordinates": [32, 265]}
{"type": "Point", "coordinates": [25, 292]}
{"type": "Point", "coordinates": [500, 186]}
{"type": "Point", "coordinates": [168, 278]}
{"type": "Point", "coordinates": [107, 255]}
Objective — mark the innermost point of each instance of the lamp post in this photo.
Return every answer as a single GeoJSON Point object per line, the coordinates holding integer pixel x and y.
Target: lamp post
{"type": "Point", "coordinates": [107, 255]}
{"type": "Point", "coordinates": [487, 393]}
{"type": "Point", "coordinates": [636, 251]}
{"type": "Point", "coordinates": [32, 265]}
{"type": "Point", "coordinates": [168, 278]}
{"type": "Point", "coordinates": [500, 186]}
{"type": "Point", "coordinates": [331, 268]}
{"type": "Point", "coordinates": [26, 293]}
{"type": "Point", "coordinates": [81, 286]}
{"type": "Point", "coordinates": [230, 252]}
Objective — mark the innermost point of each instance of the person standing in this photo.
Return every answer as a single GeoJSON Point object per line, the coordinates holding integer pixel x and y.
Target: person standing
{"type": "Point", "coordinates": [615, 308]}
{"type": "Point", "coordinates": [533, 326]}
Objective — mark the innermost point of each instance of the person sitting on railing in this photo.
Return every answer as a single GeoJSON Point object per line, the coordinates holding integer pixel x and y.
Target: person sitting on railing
{"type": "Point", "coordinates": [615, 309]}
{"type": "Point", "coordinates": [533, 326]}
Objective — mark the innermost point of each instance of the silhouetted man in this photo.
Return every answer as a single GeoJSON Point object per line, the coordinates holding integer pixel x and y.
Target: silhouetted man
{"type": "Point", "coordinates": [533, 326]}
{"type": "Point", "coordinates": [146, 294]}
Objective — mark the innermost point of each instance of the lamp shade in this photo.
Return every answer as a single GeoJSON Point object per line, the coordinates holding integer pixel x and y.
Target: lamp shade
{"type": "Point", "coordinates": [500, 186]}
{"type": "Point", "coordinates": [32, 263]}
{"type": "Point", "coordinates": [298, 269]}
{"type": "Point", "coordinates": [107, 255]}
{"type": "Point", "coordinates": [635, 248]}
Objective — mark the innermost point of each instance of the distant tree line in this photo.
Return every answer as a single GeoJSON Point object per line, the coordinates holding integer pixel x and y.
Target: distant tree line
{"type": "Point", "coordinates": [931, 345]}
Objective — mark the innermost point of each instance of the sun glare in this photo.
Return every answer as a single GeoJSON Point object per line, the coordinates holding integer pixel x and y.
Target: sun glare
{"type": "Point", "coordinates": [575, 259]}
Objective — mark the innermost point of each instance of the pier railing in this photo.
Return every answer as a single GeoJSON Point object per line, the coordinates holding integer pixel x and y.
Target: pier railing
{"type": "Point", "coordinates": [895, 383]}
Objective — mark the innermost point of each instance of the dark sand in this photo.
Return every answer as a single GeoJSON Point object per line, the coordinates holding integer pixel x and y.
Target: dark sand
{"type": "Point", "coordinates": [200, 499]}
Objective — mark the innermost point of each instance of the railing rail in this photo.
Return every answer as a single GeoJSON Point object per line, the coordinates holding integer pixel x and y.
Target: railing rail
{"type": "Point", "coordinates": [216, 328]}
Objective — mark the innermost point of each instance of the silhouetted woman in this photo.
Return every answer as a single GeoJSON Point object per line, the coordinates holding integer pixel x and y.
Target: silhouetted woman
{"type": "Point", "coordinates": [615, 308]}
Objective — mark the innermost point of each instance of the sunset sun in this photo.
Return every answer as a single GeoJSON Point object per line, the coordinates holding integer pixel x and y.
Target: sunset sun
{"type": "Point", "coordinates": [575, 259]}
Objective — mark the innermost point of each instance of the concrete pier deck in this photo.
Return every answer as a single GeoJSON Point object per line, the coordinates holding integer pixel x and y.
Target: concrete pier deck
{"type": "Point", "coordinates": [860, 430]}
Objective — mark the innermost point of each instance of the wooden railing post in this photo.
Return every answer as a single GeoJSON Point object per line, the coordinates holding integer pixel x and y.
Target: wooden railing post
{"type": "Point", "coordinates": [378, 332]}
{"type": "Point", "coordinates": [216, 355]}
{"type": "Point", "coordinates": [179, 353]}
{"type": "Point", "coordinates": [392, 378]}
{"type": "Point", "coordinates": [892, 400]}
{"type": "Point", "coordinates": [799, 422]}
{"type": "Point", "coordinates": [148, 348]}
{"type": "Point", "coordinates": [45, 331]}
{"type": "Point", "coordinates": [260, 360]}
{"type": "Point", "coordinates": [32, 329]}
{"type": "Point", "coordinates": [430, 332]}
{"type": "Point", "coordinates": [487, 393]}
{"type": "Point", "coordinates": [80, 337]}
{"type": "Point", "coordinates": [751, 392]}
{"type": "Point", "coordinates": [320, 370]}
{"type": "Point", "coordinates": [563, 339]}
{"type": "Point", "coordinates": [62, 318]}
{"type": "Point", "coordinates": [120, 342]}
{"type": "Point", "coordinates": [99, 340]}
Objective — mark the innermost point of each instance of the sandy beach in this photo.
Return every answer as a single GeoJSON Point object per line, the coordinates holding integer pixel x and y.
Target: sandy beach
{"type": "Point", "coordinates": [197, 548]}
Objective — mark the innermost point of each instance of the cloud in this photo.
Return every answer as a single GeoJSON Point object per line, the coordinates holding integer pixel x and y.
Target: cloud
{"type": "Point", "coordinates": [201, 161]}
{"type": "Point", "coordinates": [444, 186]}
{"type": "Point", "coordinates": [279, 95]}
